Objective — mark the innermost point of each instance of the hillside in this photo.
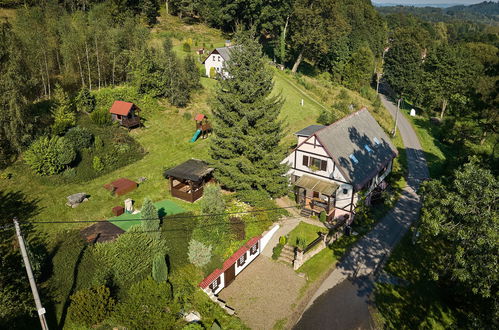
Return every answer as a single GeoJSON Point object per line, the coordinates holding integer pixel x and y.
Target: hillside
{"type": "Point", "coordinates": [484, 12]}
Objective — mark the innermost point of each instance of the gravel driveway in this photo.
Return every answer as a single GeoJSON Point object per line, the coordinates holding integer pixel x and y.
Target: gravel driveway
{"type": "Point", "coordinates": [263, 293]}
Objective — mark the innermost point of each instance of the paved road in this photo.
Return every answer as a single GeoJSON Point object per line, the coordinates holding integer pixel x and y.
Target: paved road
{"type": "Point", "coordinates": [343, 299]}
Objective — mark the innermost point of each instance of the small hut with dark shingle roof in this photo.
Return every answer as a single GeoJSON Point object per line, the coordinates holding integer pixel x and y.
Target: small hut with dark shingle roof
{"type": "Point", "coordinates": [187, 179]}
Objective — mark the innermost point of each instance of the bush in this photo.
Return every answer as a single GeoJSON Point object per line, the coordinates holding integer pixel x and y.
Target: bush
{"type": "Point", "coordinates": [145, 306]}
{"type": "Point", "coordinates": [149, 216]}
{"type": "Point", "coordinates": [199, 254]}
{"type": "Point", "coordinates": [213, 73]}
{"type": "Point", "coordinates": [324, 117]}
{"type": "Point", "coordinates": [322, 217]}
{"type": "Point", "coordinates": [186, 47]}
{"type": "Point", "coordinates": [62, 111]}
{"type": "Point", "coordinates": [97, 164]}
{"type": "Point", "coordinates": [130, 257]}
{"type": "Point", "coordinates": [187, 116]}
{"type": "Point", "coordinates": [283, 240]}
{"type": "Point", "coordinates": [85, 102]}
{"type": "Point", "coordinates": [101, 118]}
{"type": "Point", "coordinates": [276, 251]}
{"type": "Point", "coordinates": [301, 243]}
{"type": "Point", "coordinates": [90, 306]}
{"type": "Point", "coordinates": [79, 137]}
{"type": "Point", "coordinates": [159, 268]}
{"type": "Point", "coordinates": [252, 197]}
{"type": "Point", "coordinates": [212, 202]}
{"type": "Point", "coordinates": [48, 156]}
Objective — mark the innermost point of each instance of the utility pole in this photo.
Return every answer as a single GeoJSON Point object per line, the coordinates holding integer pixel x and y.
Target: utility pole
{"type": "Point", "coordinates": [31, 278]}
{"type": "Point", "coordinates": [396, 117]}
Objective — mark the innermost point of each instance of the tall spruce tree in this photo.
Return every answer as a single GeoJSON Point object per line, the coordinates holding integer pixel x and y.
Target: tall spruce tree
{"type": "Point", "coordinates": [247, 130]}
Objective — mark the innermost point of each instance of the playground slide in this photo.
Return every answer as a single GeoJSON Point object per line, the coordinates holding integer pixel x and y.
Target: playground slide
{"type": "Point", "coordinates": [196, 135]}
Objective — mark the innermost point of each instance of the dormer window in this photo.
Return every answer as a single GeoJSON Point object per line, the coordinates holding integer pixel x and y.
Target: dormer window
{"type": "Point", "coordinates": [354, 159]}
{"type": "Point", "coordinates": [376, 141]}
{"type": "Point", "coordinates": [369, 150]}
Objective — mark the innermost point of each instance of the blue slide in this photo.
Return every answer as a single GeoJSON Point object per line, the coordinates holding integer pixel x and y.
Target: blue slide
{"type": "Point", "coordinates": [196, 135]}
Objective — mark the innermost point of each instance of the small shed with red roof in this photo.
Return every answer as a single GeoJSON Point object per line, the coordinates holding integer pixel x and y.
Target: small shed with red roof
{"type": "Point", "coordinates": [126, 113]}
{"type": "Point", "coordinates": [221, 278]}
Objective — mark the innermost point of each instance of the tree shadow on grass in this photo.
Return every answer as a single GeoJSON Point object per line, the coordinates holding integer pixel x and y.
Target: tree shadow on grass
{"type": "Point", "coordinates": [16, 204]}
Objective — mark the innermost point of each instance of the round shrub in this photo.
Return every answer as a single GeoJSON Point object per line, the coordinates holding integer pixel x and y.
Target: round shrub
{"type": "Point", "coordinates": [187, 116]}
{"type": "Point", "coordinates": [79, 137]}
{"type": "Point", "coordinates": [47, 156]}
{"type": "Point", "coordinates": [65, 152]}
{"type": "Point", "coordinates": [186, 47]}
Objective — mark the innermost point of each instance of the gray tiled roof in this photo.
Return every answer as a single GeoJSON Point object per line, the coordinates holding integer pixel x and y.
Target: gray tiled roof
{"type": "Point", "coordinates": [307, 131]}
{"type": "Point", "coordinates": [350, 136]}
{"type": "Point", "coordinates": [224, 52]}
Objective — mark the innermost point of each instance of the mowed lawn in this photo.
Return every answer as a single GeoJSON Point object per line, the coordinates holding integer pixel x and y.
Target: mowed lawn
{"type": "Point", "coordinates": [165, 139]}
{"type": "Point", "coordinates": [305, 231]}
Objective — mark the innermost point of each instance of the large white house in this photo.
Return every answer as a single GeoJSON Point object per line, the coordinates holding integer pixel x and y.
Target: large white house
{"type": "Point", "coordinates": [332, 164]}
{"type": "Point", "coordinates": [216, 60]}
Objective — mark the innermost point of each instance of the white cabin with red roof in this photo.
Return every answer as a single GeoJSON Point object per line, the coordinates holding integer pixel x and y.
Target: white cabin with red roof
{"type": "Point", "coordinates": [126, 113]}
{"type": "Point", "coordinates": [221, 277]}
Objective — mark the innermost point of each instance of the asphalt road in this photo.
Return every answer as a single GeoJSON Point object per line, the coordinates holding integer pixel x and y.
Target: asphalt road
{"type": "Point", "coordinates": [343, 299]}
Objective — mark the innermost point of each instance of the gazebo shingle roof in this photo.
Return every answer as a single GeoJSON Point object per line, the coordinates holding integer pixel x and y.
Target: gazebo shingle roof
{"type": "Point", "coordinates": [193, 169]}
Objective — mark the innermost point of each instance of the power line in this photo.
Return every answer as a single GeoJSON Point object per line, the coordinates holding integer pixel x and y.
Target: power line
{"type": "Point", "coordinates": [169, 217]}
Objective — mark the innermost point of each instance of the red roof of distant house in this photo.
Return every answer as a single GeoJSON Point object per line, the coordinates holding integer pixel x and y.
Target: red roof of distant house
{"type": "Point", "coordinates": [121, 108]}
{"type": "Point", "coordinates": [229, 262]}
{"type": "Point", "coordinates": [199, 117]}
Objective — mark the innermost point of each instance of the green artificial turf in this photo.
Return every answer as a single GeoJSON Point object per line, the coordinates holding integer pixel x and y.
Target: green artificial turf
{"type": "Point", "coordinates": [165, 207]}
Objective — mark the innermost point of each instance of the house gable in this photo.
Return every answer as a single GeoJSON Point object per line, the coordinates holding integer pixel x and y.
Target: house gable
{"type": "Point", "coordinates": [313, 149]}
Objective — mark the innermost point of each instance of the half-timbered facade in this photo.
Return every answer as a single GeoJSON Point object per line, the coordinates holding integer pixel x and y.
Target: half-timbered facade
{"type": "Point", "coordinates": [332, 164]}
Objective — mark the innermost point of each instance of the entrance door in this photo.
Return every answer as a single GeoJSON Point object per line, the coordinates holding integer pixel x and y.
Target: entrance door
{"type": "Point", "coordinates": [230, 275]}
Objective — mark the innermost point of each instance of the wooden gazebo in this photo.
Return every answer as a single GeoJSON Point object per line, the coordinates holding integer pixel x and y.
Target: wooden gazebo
{"type": "Point", "coordinates": [186, 180]}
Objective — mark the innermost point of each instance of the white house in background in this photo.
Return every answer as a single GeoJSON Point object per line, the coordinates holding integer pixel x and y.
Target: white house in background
{"type": "Point", "coordinates": [216, 60]}
{"type": "Point", "coordinates": [332, 164]}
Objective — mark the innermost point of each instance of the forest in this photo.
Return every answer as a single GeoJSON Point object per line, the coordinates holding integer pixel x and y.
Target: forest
{"type": "Point", "coordinates": [63, 62]}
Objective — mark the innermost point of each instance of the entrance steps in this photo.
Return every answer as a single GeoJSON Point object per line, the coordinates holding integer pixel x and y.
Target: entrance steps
{"type": "Point", "coordinates": [287, 254]}
{"type": "Point", "coordinates": [305, 212]}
